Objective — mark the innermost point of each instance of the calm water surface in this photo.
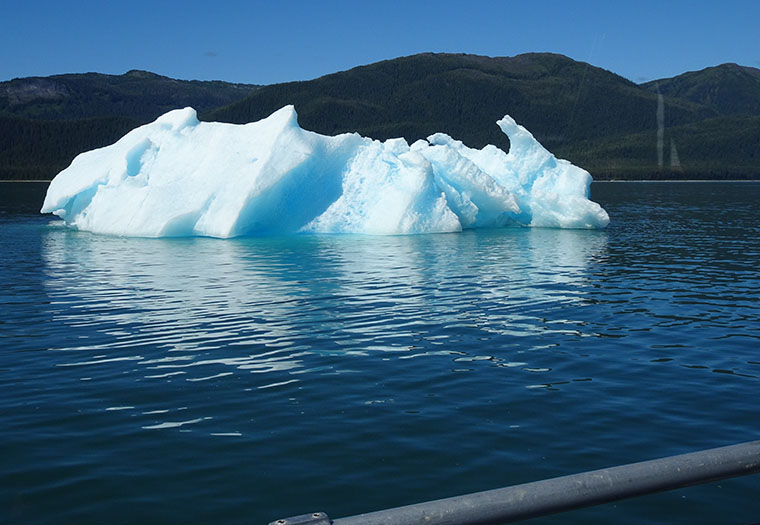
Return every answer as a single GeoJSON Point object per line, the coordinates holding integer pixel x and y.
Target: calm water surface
{"type": "Point", "coordinates": [240, 381]}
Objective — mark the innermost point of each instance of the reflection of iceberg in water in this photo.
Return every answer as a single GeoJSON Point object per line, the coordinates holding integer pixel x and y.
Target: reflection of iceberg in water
{"type": "Point", "coordinates": [553, 276]}
{"type": "Point", "coordinates": [197, 309]}
{"type": "Point", "coordinates": [151, 299]}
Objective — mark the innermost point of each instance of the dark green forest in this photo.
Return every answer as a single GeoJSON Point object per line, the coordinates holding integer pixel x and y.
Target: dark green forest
{"type": "Point", "coordinates": [46, 121]}
{"type": "Point", "coordinates": [703, 124]}
{"type": "Point", "coordinates": [38, 149]}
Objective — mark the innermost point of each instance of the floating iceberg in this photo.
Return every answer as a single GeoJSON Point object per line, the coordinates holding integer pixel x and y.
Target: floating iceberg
{"type": "Point", "coordinates": [179, 177]}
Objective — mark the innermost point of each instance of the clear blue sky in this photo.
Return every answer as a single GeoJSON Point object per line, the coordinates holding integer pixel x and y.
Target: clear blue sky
{"type": "Point", "coordinates": [277, 41]}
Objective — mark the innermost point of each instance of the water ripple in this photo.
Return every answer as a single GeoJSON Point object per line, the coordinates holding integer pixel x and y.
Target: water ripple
{"type": "Point", "coordinates": [197, 373]}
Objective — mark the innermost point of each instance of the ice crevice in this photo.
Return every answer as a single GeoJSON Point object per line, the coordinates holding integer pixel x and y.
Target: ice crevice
{"type": "Point", "coordinates": [180, 177]}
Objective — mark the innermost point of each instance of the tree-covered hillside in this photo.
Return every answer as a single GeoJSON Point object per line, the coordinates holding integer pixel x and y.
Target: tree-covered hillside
{"type": "Point", "coordinates": [596, 119]}
{"type": "Point", "coordinates": [728, 89]}
{"type": "Point", "coordinates": [558, 99]}
{"type": "Point", "coordinates": [39, 149]}
{"type": "Point", "coordinates": [696, 125]}
{"type": "Point", "coordinates": [46, 121]}
{"type": "Point", "coordinates": [139, 95]}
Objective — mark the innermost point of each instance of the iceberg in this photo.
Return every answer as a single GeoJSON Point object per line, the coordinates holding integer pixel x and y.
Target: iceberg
{"type": "Point", "coordinates": [180, 177]}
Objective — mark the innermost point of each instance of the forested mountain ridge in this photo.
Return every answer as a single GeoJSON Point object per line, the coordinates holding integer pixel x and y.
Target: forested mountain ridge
{"type": "Point", "coordinates": [46, 121]}
{"type": "Point", "coordinates": [729, 89]}
{"type": "Point", "coordinates": [558, 99]}
{"type": "Point", "coordinates": [138, 95]}
{"type": "Point", "coordinates": [595, 118]}
{"type": "Point", "coordinates": [703, 124]}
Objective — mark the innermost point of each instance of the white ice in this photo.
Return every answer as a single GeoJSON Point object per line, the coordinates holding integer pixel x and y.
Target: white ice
{"type": "Point", "coordinates": [181, 177]}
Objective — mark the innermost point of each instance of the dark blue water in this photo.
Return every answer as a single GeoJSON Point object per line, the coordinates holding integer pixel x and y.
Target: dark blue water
{"type": "Point", "coordinates": [240, 381]}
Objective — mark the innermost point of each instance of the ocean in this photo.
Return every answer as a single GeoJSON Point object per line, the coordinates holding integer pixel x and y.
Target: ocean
{"type": "Point", "coordinates": [198, 380]}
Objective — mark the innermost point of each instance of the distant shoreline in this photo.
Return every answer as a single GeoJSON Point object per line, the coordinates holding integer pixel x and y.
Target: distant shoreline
{"type": "Point", "coordinates": [677, 180]}
{"type": "Point", "coordinates": [756, 179]}
{"type": "Point", "coordinates": [29, 180]}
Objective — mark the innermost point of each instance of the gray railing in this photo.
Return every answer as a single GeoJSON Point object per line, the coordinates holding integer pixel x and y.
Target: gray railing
{"type": "Point", "coordinates": [550, 496]}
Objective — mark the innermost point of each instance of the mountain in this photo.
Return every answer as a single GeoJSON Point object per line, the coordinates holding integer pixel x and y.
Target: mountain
{"type": "Point", "coordinates": [46, 121]}
{"type": "Point", "coordinates": [39, 149]}
{"type": "Point", "coordinates": [559, 100]}
{"type": "Point", "coordinates": [138, 95]}
{"type": "Point", "coordinates": [703, 124]}
{"type": "Point", "coordinates": [716, 148]}
{"type": "Point", "coordinates": [594, 118]}
{"type": "Point", "coordinates": [728, 89]}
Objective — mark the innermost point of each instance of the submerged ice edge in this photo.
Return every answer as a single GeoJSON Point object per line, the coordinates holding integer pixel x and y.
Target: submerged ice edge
{"type": "Point", "coordinates": [180, 177]}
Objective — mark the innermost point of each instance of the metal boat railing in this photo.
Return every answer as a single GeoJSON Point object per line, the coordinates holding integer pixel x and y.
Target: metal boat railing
{"type": "Point", "coordinates": [540, 498]}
